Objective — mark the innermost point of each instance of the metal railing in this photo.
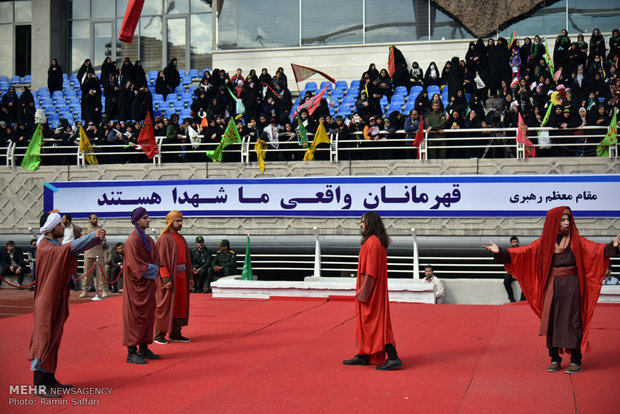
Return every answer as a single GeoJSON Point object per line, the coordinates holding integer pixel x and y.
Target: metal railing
{"type": "Point", "coordinates": [457, 143]}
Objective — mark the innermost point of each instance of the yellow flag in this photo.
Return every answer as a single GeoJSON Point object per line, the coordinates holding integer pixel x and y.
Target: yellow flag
{"type": "Point", "coordinates": [259, 148]}
{"type": "Point", "coordinates": [87, 149]}
{"type": "Point", "coordinates": [319, 137]}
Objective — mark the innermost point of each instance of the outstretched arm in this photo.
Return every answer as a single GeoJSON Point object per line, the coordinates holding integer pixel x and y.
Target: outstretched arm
{"type": "Point", "coordinates": [492, 247]}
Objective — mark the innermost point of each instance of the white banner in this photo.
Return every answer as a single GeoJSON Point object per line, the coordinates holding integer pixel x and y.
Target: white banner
{"type": "Point", "coordinates": [391, 196]}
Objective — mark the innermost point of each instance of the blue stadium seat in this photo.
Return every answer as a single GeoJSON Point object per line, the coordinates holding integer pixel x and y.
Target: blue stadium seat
{"type": "Point", "coordinates": [74, 76]}
{"type": "Point", "coordinates": [187, 80]}
{"type": "Point", "coordinates": [179, 90]}
{"type": "Point", "coordinates": [394, 107]}
{"type": "Point", "coordinates": [182, 73]}
{"type": "Point", "coordinates": [192, 88]}
{"type": "Point", "coordinates": [187, 98]}
{"type": "Point", "coordinates": [178, 106]}
{"type": "Point", "coordinates": [337, 94]}
{"type": "Point", "coordinates": [400, 90]}
{"type": "Point", "coordinates": [324, 84]}
{"type": "Point", "coordinates": [383, 101]}
{"type": "Point", "coordinates": [204, 70]}
{"type": "Point", "coordinates": [341, 85]}
{"type": "Point", "coordinates": [27, 78]}
{"type": "Point", "coordinates": [310, 86]}
{"type": "Point", "coordinates": [43, 91]}
{"type": "Point", "coordinates": [171, 97]}
{"type": "Point", "coordinates": [193, 73]}
{"type": "Point", "coordinates": [15, 79]}
{"type": "Point", "coordinates": [185, 113]}
{"type": "Point", "coordinates": [168, 112]}
{"type": "Point", "coordinates": [398, 99]}
{"type": "Point", "coordinates": [408, 107]}
{"type": "Point", "coordinates": [344, 110]}
{"type": "Point", "coordinates": [4, 79]}
{"type": "Point", "coordinates": [433, 89]}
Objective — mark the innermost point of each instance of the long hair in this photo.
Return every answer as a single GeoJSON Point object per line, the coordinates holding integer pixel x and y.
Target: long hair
{"type": "Point", "coordinates": [375, 227]}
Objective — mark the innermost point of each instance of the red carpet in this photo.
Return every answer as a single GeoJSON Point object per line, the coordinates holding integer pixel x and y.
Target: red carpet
{"type": "Point", "coordinates": [284, 356]}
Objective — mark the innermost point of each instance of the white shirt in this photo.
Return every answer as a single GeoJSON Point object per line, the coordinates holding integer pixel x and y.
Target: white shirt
{"type": "Point", "coordinates": [68, 237]}
{"type": "Point", "coordinates": [438, 287]}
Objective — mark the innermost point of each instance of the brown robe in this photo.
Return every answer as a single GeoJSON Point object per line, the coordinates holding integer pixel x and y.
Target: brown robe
{"type": "Point", "coordinates": [55, 266]}
{"type": "Point", "coordinates": [138, 292]}
{"type": "Point", "coordinates": [164, 312]}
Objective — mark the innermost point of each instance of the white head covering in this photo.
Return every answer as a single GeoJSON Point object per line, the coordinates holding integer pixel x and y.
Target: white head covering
{"type": "Point", "coordinates": [52, 221]}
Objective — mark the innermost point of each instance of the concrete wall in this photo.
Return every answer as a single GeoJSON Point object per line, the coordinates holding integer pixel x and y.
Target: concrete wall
{"type": "Point", "coordinates": [21, 195]}
{"type": "Point", "coordinates": [49, 38]}
{"type": "Point", "coordinates": [340, 62]}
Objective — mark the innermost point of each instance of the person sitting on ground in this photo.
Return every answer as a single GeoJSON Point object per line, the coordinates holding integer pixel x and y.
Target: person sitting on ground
{"type": "Point", "coordinates": [201, 262]}
{"type": "Point", "coordinates": [224, 264]}
{"type": "Point", "coordinates": [13, 259]}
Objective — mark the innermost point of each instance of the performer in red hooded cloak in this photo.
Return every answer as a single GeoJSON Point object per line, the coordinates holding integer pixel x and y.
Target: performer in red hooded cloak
{"type": "Point", "coordinates": [561, 274]}
{"type": "Point", "coordinates": [372, 305]}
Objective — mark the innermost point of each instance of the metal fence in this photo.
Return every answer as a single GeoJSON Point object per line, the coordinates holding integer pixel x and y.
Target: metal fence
{"type": "Point", "coordinates": [453, 143]}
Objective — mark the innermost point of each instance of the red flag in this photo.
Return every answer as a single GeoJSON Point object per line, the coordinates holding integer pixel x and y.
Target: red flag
{"type": "Point", "coordinates": [530, 150]}
{"type": "Point", "coordinates": [391, 62]}
{"type": "Point", "coordinates": [204, 123]}
{"type": "Point", "coordinates": [132, 16]}
{"type": "Point", "coordinates": [312, 103]}
{"type": "Point", "coordinates": [146, 140]}
{"type": "Point", "coordinates": [304, 72]}
{"type": "Point", "coordinates": [419, 136]}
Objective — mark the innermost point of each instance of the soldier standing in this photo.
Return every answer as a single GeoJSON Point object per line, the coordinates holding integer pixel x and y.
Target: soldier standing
{"type": "Point", "coordinates": [224, 263]}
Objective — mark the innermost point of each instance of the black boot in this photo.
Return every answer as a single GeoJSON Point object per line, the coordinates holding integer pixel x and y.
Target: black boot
{"type": "Point", "coordinates": [133, 357]}
{"type": "Point", "coordinates": [146, 353]}
{"type": "Point", "coordinates": [357, 360]}
{"type": "Point", "coordinates": [42, 386]}
{"type": "Point", "coordinates": [393, 362]}
{"type": "Point", "coordinates": [55, 384]}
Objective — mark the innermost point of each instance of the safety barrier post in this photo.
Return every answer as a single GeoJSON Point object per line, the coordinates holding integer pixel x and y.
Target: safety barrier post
{"type": "Point", "coordinates": [416, 257]}
{"type": "Point", "coordinates": [317, 253]}
{"type": "Point", "coordinates": [97, 297]}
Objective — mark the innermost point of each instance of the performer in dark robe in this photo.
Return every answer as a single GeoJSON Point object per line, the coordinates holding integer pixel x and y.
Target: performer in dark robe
{"type": "Point", "coordinates": [561, 274]}
{"type": "Point", "coordinates": [56, 263]}
{"type": "Point", "coordinates": [174, 281]}
{"type": "Point", "coordinates": [141, 266]}
{"type": "Point", "coordinates": [372, 306]}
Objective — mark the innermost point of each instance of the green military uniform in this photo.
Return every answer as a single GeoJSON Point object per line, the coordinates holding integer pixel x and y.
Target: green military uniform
{"type": "Point", "coordinates": [228, 261]}
{"type": "Point", "coordinates": [201, 260]}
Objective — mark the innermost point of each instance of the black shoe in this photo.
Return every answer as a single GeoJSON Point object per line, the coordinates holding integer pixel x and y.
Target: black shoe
{"type": "Point", "coordinates": [55, 384]}
{"type": "Point", "coordinates": [357, 360]}
{"type": "Point", "coordinates": [43, 387]}
{"type": "Point", "coordinates": [92, 289]}
{"type": "Point", "coordinates": [160, 341]}
{"type": "Point", "coordinates": [391, 364]}
{"type": "Point", "coordinates": [179, 338]}
{"type": "Point", "coordinates": [134, 358]}
{"type": "Point", "coordinates": [148, 354]}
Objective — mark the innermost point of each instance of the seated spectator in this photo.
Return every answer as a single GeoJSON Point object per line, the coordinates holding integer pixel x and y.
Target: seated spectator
{"type": "Point", "coordinates": [224, 264]}
{"type": "Point", "coordinates": [161, 85]}
{"type": "Point", "coordinates": [609, 279]}
{"type": "Point", "coordinates": [201, 258]}
{"type": "Point", "coordinates": [13, 259]}
{"type": "Point", "coordinates": [429, 277]}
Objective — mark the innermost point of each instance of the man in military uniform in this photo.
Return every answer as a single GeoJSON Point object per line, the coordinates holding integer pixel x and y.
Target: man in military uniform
{"type": "Point", "coordinates": [224, 263]}
{"type": "Point", "coordinates": [201, 262]}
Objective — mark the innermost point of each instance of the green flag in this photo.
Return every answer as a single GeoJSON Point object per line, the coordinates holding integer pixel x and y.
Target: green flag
{"type": "Point", "coordinates": [547, 115]}
{"type": "Point", "coordinates": [303, 132]}
{"type": "Point", "coordinates": [247, 263]}
{"type": "Point", "coordinates": [611, 138]}
{"type": "Point", "coordinates": [32, 159]}
{"type": "Point", "coordinates": [230, 136]}
{"type": "Point", "coordinates": [548, 58]}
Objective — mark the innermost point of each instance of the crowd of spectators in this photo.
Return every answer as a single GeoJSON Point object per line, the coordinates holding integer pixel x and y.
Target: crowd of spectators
{"type": "Point", "coordinates": [486, 89]}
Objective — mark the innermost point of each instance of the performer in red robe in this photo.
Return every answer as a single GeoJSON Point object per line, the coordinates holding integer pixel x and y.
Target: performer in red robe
{"type": "Point", "coordinates": [372, 305]}
{"type": "Point", "coordinates": [561, 275]}
{"type": "Point", "coordinates": [174, 283]}
{"type": "Point", "coordinates": [56, 263]}
{"type": "Point", "coordinates": [141, 266]}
